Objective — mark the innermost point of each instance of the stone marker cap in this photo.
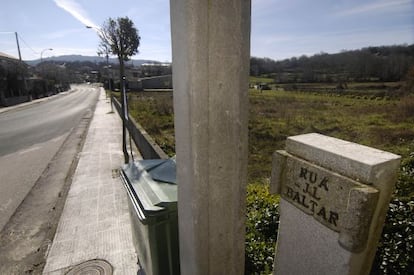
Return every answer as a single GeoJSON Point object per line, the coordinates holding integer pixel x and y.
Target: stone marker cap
{"type": "Point", "coordinates": [359, 162]}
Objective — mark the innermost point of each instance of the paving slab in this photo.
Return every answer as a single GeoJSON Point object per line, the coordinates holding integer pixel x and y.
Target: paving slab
{"type": "Point", "coordinates": [95, 223]}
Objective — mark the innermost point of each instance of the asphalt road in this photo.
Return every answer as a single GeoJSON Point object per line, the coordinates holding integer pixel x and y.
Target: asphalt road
{"type": "Point", "coordinates": [29, 138]}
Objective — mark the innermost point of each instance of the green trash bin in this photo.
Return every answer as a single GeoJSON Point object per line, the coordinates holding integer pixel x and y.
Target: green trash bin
{"type": "Point", "coordinates": [152, 191]}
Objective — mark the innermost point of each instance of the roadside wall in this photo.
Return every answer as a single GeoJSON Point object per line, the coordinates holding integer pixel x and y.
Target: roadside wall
{"type": "Point", "coordinates": [144, 142]}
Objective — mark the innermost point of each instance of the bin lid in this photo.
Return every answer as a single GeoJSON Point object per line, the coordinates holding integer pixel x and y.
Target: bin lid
{"type": "Point", "coordinates": [165, 171]}
{"type": "Point", "coordinates": [153, 183]}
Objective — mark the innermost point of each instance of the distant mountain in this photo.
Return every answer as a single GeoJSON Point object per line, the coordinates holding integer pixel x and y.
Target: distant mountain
{"type": "Point", "coordinates": [83, 58]}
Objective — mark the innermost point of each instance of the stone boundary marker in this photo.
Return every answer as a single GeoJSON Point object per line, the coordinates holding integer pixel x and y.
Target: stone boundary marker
{"type": "Point", "coordinates": [334, 198]}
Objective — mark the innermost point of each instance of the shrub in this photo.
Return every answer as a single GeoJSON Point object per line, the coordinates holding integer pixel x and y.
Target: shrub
{"type": "Point", "coordinates": [395, 254]}
{"type": "Point", "coordinates": [261, 229]}
{"type": "Point", "coordinates": [405, 183]}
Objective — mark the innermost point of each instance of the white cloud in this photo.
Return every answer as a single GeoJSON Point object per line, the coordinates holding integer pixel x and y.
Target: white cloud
{"type": "Point", "coordinates": [76, 11]}
{"type": "Point", "coordinates": [61, 33]}
{"type": "Point", "coordinates": [377, 6]}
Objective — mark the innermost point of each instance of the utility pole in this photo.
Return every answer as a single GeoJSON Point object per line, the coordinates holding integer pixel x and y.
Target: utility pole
{"type": "Point", "coordinates": [20, 58]}
{"type": "Point", "coordinates": [18, 46]}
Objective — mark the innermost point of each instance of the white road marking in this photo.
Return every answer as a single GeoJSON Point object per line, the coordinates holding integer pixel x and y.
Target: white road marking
{"type": "Point", "coordinates": [31, 149]}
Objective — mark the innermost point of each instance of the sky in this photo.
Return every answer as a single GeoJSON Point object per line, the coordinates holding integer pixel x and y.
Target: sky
{"type": "Point", "coordinates": [280, 29]}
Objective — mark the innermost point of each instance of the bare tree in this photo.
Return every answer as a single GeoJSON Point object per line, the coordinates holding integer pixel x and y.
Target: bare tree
{"type": "Point", "coordinates": [121, 38]}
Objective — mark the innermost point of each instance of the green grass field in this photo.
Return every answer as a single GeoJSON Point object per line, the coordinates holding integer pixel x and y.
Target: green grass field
{"type": "Point", "coordinates": [275, 115]}
{"type": "Point", "coordinates": [382, 122]}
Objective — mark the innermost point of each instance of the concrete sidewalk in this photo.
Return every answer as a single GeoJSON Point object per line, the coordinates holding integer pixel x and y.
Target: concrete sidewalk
{"type": "Point", "coordinates": [95, 223]}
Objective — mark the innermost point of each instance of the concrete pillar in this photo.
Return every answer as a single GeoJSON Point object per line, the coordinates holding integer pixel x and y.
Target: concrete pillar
{"type": "Point", "coordinates": [211, 51]}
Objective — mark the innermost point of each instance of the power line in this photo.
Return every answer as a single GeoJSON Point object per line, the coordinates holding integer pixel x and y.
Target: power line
{"type": "Point", "coordinates": [21, 38]}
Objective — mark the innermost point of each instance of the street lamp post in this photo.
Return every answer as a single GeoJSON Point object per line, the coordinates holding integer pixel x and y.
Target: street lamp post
{"type": "Point", "coordinates": [99, 31]}
{"type": "Point", "coordinates": [124, 103]}
{"type": "Point", "coordinates": [41, 60]}
{"type": "Point", "coordinates": [41, 53]}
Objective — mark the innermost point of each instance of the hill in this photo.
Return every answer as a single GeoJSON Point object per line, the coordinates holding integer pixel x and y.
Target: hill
{"type": "Point", "coordinates": [384, 63]}
{"type": "Point", "coordinates": [83, 58]}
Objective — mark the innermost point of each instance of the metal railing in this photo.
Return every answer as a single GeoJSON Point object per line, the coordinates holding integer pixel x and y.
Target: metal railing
{"type": "Point", "coordinates": [148, 148]}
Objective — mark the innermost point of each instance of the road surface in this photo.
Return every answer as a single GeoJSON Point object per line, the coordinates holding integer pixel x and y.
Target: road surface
{"type": "Point", "coordinates": [29, 138]}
